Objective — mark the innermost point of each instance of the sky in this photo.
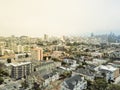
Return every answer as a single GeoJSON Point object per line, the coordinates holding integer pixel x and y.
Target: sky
{"type": "Point", "coordinates": [59, 17]}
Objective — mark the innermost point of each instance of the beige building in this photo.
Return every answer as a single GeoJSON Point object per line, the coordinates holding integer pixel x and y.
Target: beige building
{"type": "Point", "coordinates": [37, 54]}
{"type": "Point", "coordinates": [3, 44]}
{"type": "Point", "coordinates": [19, 49]}
{"type": "Point", "coordinates": [1, 50]}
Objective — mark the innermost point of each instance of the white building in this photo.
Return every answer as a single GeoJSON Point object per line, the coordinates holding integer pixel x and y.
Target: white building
{"type": "Point", "coordinates": [2, 50]}
{"type": "Point", "coordinates": [110, 72]}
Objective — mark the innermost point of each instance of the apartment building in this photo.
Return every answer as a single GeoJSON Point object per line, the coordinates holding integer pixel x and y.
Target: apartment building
{"type": "Point", "coordinates": [37, 54]}
{"type": "Point", "coordinates": [20, 70]}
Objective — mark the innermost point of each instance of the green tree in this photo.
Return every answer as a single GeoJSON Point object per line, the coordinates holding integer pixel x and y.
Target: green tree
{"type": "Point", "coordinates": [24, 84]}
{"type": "Point", "coordinates": [89, 84]}
{"type": "Point", "coordinates": [84, 63]}
{"type": "Point", "coordinates": [26, 55]}
{"type": "Point", "coordinates": [64, 63]}
{"type": "Point", "coordinates": [9, 60]}
{"type": "Point", "coordinates": [99, 84]}
{"type": "Point", "coordinates": [55, 59]}
{"type": "Point", "coordinates": [113, 87]}
{"type": "Point", "coordinates": [80, 66]}
{"type": "Point", "coordinates": [1, 80]}
{"type": "Point", "coordinates": [36, 86]}
{"type": "Point", "coordinates": [4, 73]}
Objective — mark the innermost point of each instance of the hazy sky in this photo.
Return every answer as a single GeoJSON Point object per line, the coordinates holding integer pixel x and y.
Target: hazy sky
{"type": "Point", "coordinates": [59, 17]}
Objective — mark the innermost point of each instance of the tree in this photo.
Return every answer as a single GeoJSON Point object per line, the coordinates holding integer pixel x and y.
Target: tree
{"type": "Point", "coordinates": [1, 80]}
{"type": "Point", "coordinates": [99, 84]}
{"type": "Point", "coordinates": [2, 70]}
{"type": "Point", "coordinates": [55, 59]}
{"type": "Point", "coordinates": [5, 73]}
{"type": "Point", "coordinates": [67, 74]}
{"type": "Point", "coordinates": [113, 87]}
{"type": "Point", "coordinates": [26, 55]}
{"type": "Point", "coordinates": [24, 84]}
{"type": "Point", "coordinates": [36, 86]}
{"type": "Point", "coordinates": [64, 63]}
{"type": "Point", "coordinates": [84, 63]}
{"type": "Point", "coordinates": [80, 66]}
{"type": "Point", "coordinates": [89, 84]}
{"type": "Point", "coordinates": [9, 60]}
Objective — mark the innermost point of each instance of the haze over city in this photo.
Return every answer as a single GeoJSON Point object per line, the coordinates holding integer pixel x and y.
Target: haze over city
{"type": "Point", "coordinates": [59, 17]}
{"type": "Point", "coordinates": [59, 44]}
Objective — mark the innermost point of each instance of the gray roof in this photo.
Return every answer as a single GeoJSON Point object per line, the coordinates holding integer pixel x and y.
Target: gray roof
{"type": "Point", "coordinates": [73, 81]}
{"type": "Point", "coordinates": [49, 75]}
{"type": "Point", "coordinates": [46, 76]}
{"type": "Point", "coordinates": [85, 72]}
{"type": "Point", "coordinates": [43, 64]}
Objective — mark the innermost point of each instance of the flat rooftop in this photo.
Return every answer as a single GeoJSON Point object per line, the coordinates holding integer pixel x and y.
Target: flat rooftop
{"type": "Point", "coordinates": [20, 64]}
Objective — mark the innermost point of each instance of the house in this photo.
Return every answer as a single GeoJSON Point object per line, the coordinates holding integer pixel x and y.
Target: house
{"type": "Point", "coordinates": [67, 68]}
{"type": "Point", "coordinates": [70, 61]}
{"type": "Point", "coordinates": [96, 54]}
{"type": "Point", "coordinates": [42, 80]}
{"type": "Point", "coordinates": [76, 82]}
{"type": "Point", "coordinates": [48, 78]}
{"type": "Point", "coordinates": [114, 54]}
{"type": "Point", "coordinates": [97, 61]}
{"type": "Point", "coordinates": [111, 73]}
{"type": "Point", "coordinates": [88, 74]}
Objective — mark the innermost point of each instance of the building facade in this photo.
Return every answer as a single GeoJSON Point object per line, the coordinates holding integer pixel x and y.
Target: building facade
{"type": "Point", "coordinates": [37, 54]}
{"type": "Point", "coordinates": [20, 70]}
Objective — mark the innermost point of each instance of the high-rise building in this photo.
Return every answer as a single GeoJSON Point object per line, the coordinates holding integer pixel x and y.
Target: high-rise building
{"type": "Point", "coordinates": [37, 54]}
{"type": "Point", "coordinates": [45, 37]}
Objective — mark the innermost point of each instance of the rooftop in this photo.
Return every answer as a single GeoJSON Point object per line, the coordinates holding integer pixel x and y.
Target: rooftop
{"type": "Point", "coordinates": [73, 81]}
{"type": "Point", "coordinates": [19, 64]}
{"type": "Point", "coordinates": [108, 68]}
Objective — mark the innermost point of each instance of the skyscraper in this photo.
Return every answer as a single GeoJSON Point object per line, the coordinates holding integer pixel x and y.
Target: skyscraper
{"type": "Point", "coordinates": [45, 37]}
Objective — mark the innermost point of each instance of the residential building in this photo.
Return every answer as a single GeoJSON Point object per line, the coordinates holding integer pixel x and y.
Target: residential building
{"type": "Point", "coordinates": [2, 51]}
{"type": "Point", "coordinates": [20, 70]}
{"type": "Point", "coordinates": [49, 65]}
{"type": "Point", "coordinates": [50, 77]}
{"type": "Point", "coordinates": [97, 61]}
{"type": "Point", "coordinates": [88, 74]}
{"type": "Point", "coordinates": [42, 80]}
{"type": "Point", "coordinates": [76, 82]}
{"type": "Point", "coordinates": [37, 54]}
{"type": "Point", "coordinates": [111, 73]}
{"type": "Point", "coordinates": [19, 49]}
{"type": "Point", "coordinates": [70, 61]}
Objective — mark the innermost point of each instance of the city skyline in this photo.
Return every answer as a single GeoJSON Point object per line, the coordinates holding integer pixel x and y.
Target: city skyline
{"type": "Point", "coordinates": [52, 17]}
